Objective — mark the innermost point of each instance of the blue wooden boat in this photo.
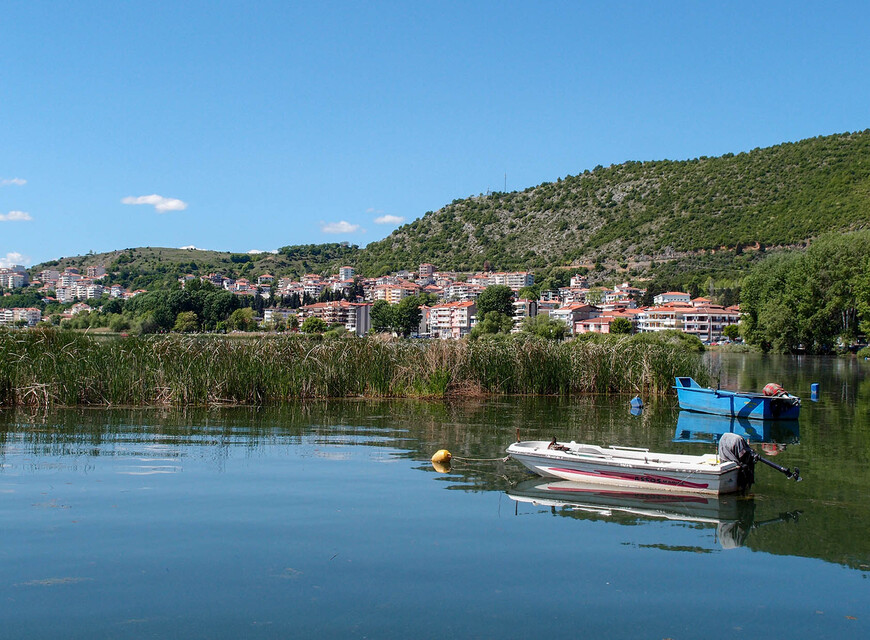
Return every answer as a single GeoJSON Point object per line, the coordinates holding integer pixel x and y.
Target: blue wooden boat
{"type": "Point", "coordinates": [742, 404]}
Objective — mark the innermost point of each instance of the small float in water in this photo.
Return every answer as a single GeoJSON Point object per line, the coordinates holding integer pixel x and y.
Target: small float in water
{"type": "Point", "coordinates": [774, 403]}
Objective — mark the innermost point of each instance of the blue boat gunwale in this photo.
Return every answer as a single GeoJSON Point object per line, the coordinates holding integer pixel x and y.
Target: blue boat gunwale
{"type": "Point", "coordinates": [694, 386]}
{"type": "Point", "coordinates": [758, 406]}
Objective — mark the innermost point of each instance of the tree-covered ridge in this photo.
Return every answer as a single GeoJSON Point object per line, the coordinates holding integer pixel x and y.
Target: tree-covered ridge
{"type": "Point", "coordinates": [159, 267]}
{"type": "Point", "coordinates": [637, 211]}
{"type": "Point", "coordinates": [708, 214]}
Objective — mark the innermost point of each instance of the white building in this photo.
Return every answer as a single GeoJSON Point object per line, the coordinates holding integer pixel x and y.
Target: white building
{"type": "Point", "coordinates": [579, 282]}
{"type": "Point", "coordinates": [671, 296]}
{"type": "Point", "coordinates": [31, 316]}
{"type": "Point", "coordinates": [709, 322]}
{"type": "Point", "coordinates": [353, 316]}
{"type": "Point", "coordinates": [272, 315]}
{"type": "Point", "coordinates": [661, 318]}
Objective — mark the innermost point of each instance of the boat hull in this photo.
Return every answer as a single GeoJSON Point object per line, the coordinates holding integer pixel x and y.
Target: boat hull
{"type": "Point", "coordinates": [628, 468]}
{"type": "Point", "coordinates": [739, 404]}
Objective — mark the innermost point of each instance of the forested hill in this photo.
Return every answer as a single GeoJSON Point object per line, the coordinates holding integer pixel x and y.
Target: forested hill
{"type": "Point", "coordinates": [701, 215]}
{"type": "Point", "coordinates": [158, 267]}
{"type": "Point", "coordinates": [637, 211]}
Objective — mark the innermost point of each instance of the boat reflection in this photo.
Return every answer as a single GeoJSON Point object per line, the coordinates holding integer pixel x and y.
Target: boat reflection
{"type": "Point", "coordinates": [731, 517]}
{"type": "Point", "coordinates": [703, 427]}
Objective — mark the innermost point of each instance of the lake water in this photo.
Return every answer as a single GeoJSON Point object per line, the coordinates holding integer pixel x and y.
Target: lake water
{"type": "Point", "coordinates": [327, 520]}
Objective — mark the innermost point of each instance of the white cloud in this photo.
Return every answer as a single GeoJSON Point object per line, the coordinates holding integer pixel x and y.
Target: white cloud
{"type": "Point", "coordinates": [255, 252]}
{"type": "Point", "coordinates": [190, 246]}
{"type": "Point", "coordinates": [338, 227]}
{"type": "Point", "coordinates": [15, 216]}
{"type": "Point", "coordinates": [161, 203]}
{"type": "Point", "coordinates": [389, 219]}
{"type": "Point", "coordinates": [13, 258]}
{"type": "Point", "coordinates": [18, 182]}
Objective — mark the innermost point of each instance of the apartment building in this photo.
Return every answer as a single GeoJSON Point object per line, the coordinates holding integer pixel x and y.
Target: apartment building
{"type": "Point", "coordinates": [523, 309]}
{"type": "Point", "coordinates": [451, 319]}
{"type": "Point", "coordinates": [708, 322]}
{"type": "Point", "coordinates": [395, 293]}
{"type": "Point", "coordinates": [31, 316]}
{"type": "Point", "coordinates": [353, 316]}
{"type": "Point", "coordinates": [660, 318]}
{"type": "Point", "coordinates": [571, 313]}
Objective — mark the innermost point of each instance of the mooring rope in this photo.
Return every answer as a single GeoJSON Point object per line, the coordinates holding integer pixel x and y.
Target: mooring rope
{"type": "Point", "coordinates": [505, 459]}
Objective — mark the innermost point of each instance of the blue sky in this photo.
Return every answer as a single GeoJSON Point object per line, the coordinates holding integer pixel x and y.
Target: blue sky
{"type": "Point", "coordinates": [242, 126]}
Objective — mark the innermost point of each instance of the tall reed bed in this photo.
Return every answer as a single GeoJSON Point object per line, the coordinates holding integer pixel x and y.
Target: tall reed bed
{"type": "Point", "coordinates": [55, 368]}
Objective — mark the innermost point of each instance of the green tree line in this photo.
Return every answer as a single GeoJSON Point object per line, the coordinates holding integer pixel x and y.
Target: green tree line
{"type": "Point", "coordinates": [816, 301]}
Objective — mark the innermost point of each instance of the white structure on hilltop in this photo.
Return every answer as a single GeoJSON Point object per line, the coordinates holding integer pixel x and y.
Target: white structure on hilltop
{"type": "Point", "coordinates": [671, 296]}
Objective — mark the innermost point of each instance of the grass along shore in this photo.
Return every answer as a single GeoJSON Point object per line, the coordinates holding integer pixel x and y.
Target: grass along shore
{"type": "Point", "coordinates": [50, 368]}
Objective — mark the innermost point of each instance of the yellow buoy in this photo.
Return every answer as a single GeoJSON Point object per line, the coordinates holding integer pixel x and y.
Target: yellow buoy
{"type": "Point", "coordinates": [442, 456]}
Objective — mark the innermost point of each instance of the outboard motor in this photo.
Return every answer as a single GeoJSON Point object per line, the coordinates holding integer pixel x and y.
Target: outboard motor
{"type": "Point", "coordinates": [782, 399]}
{"type": "Point", "coordinates": [735, 449]}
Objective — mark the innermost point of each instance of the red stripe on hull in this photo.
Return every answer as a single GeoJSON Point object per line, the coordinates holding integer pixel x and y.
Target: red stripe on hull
{"type": "Point", "coordinates": [651, 479]}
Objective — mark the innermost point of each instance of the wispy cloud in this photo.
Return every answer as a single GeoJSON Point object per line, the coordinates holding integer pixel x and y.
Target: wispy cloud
{"type": "Point", "coordinates": [18, 182]}
{"type": "Point", "coordinates": [15, 216]}
{"type": "Point", "coordinates": [338, 227]}
{"type": "Point", "coordinates": [190, 246]}
{"type": "Point", "coordinates": [160, 203]}
{"type": "Point", "coordinates": [13, 258]}
{"type": "Point", "coordinates": [256, 252]}
{"type": "Point", "coordinates": [389, 219]}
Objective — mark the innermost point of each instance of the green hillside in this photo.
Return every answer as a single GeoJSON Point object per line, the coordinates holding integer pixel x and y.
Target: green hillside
{"type": "Point", "coordinates": [639, 211]}
{"type": "Point", "coordinates": [703, 215]}
{"type": "Point", "coordinates": [156, 267]}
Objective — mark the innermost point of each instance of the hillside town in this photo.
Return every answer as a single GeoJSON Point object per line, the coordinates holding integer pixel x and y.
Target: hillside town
{"type": "Point", "coordinates": [579, 306]}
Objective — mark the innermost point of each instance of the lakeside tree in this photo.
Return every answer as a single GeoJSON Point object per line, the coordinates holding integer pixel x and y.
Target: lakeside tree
{"type": "Point", "coordinates": [497, 298]}
{"type": "Point", "coordinates": [493, 322]}
{"type": "Point", "coordinates": [381, 316]}
{"type": "Point", "coordinates": [811, 301]}
{"type": "Point", "coordinates": [242, 320]}
{"type": "Point", "coordinates": [186, 322]}
{"type": "Point", "coordinates": [731, 331]}
{"type": "Point", "coordinates": [314, 325]}
{"type": "Point", "coordinates": [402, 318]}
{"type": "Point", "coordinates": [546, 327]}
{"type": "Point", "coordinates": [621, 326]}
{"type": "Point", "coordinates": [406, 316]}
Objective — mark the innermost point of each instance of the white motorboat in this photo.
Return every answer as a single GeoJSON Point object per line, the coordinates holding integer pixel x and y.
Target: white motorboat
{"type": "Point", "coordinates": [627, 466]}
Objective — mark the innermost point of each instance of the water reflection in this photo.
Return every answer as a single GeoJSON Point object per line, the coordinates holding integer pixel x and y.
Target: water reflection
{"type": "Point", "coordinates": [703, 427]}
{"type": "Point", "coordinates": [730, 518]}
{"type": "Point", "coordinates": [831, 449]}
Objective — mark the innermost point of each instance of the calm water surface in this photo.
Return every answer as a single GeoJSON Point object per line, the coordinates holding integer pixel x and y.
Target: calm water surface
{"type": "Point", "coordinates": [327, 520]}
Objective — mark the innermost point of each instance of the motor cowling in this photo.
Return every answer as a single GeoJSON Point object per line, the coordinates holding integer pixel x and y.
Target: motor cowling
{"type": "Point", "coordinates": [773, 390]}
{"type": "Point", "coordinates": [735, 449]}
